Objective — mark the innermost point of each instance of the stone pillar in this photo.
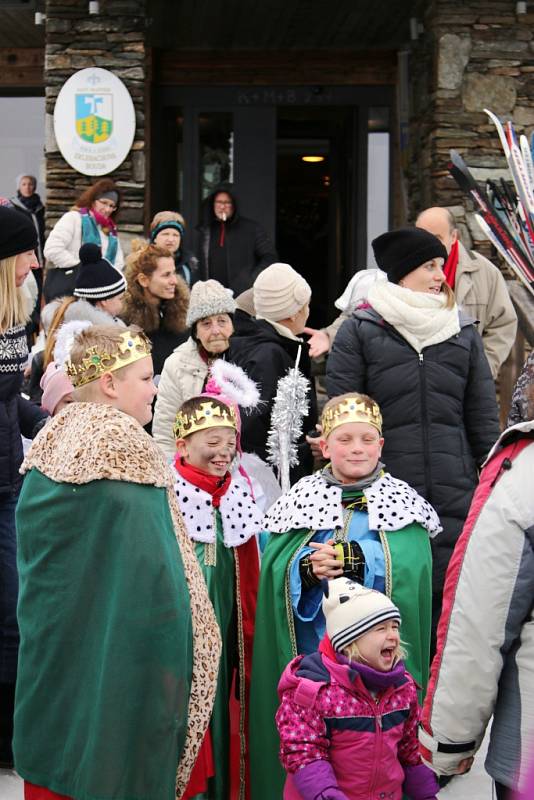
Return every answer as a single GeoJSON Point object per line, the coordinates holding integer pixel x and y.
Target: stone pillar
{"type": "Point", "coordinates": [472, 55]}
{"type": "Point", "coordinates": [114, 40]}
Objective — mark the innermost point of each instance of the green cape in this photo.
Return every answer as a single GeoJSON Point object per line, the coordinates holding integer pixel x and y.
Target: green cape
{"type": "Point", "coordinates": [106, 642]}
{"type": "Point", "coordinates": [408, 581]}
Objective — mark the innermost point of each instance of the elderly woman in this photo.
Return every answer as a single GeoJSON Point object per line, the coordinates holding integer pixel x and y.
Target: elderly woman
{"type": "Point", "coordinates": [93, 219]}
{"type": "Point", "coordinates": [185, 371]}
{"type": "Point", "coordinates": [167, 230]}
{"type": "Point", "coordinates": [423, 361]}
{"type": "Point", "coordinates": [156, 299]}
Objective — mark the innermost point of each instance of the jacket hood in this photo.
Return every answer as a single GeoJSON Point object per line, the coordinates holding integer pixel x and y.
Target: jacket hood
{"type": "Point", "coordinates": [513, 432]}
{"type": "Point", "coordinates": [79, 311]}
{"type": "Point", "coordinates": [208, 214]}
{"type": "Point", "coordinates": [261, 332]}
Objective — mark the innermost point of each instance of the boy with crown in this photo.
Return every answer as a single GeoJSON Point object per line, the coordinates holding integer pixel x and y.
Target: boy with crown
{"type": "Point", "coordinates": [222, 520]}
{"type": "Point", "coordinates": [119, 642]}
{"type": "Point", "coordinates": [351, 519]}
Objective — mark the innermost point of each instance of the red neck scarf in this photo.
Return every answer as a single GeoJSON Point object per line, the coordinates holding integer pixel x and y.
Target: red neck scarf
{"type": "Point", "coordinates": [451, 264]}
{"type": "Point", "coordinates": [212, 484]}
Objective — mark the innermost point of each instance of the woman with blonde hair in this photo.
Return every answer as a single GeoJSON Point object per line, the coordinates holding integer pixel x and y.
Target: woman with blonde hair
{"type": "Point", "coordinates": [92, 219]}
{"type": "Point", "coordinates": [167, 230]}
{"type": "Point", "coordinates": [18, 240]}
{"type": "Point", "coordinates": [156, 299]}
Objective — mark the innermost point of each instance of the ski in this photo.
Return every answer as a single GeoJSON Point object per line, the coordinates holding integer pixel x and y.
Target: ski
{"type": "Point", "coordinates": [521, 261]}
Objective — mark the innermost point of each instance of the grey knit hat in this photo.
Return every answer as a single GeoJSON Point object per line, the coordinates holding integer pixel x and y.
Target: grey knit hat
{"type": "Point", "coordinates": [209, 298]}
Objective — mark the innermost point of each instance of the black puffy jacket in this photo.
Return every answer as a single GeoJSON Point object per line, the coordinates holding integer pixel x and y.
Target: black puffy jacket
{"type": "Point", "coordinates": [265, 356]}
{"type": "Point", "coordinates": [439, 411]}
{"type": "Point", "coordinates": [17, 415]}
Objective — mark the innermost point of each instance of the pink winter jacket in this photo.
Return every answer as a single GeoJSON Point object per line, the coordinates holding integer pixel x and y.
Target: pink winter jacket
{"type": "Point", "coordinates": [328, 714]}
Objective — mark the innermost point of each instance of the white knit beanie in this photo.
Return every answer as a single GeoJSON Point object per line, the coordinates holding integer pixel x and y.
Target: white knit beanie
{"type": "Point", "coordinates": [208, 298]}
{"type": "Point", "coordinates": [279, 292]}
{"type": "Point", "coordinates": [351, 610]}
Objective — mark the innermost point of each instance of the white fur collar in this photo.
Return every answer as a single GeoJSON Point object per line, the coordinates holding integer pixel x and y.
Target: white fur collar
{"type": "Point", "coordinates": [313, 504]}
{"type": "Point", "coordinates": [241, 518]}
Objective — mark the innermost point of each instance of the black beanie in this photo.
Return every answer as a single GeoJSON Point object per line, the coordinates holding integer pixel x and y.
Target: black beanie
{"type": "Point", "coordinates": [97, 278]}
{"type": "Point", "coordinates": [399, 252]}
{"type": "Point", "coordinates": [17, 233]}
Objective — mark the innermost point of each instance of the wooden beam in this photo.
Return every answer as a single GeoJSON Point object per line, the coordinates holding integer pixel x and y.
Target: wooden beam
{"type": "Point", "coordinates": [275, 68]}
{"type": "Point", "coordinates": [21, 67]}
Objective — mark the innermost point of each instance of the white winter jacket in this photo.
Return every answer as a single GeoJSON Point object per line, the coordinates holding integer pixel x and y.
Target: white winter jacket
{"type": "Point", "coordinates": [184, 375]}
{"type": "Point", "coordinates": [484, 663]}
{"type": "Point", "coordinates": [65, 239]}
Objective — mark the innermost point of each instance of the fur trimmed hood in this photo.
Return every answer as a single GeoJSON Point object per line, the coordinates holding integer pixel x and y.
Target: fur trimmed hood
{"type": "Point", "coordinates": [169, 315]}
{"type": "Point", "coordinates": [79, 311]}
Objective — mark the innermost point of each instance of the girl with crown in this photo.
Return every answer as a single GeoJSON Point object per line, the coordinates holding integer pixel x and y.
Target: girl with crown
{"type": "Point", "coordinates": [351, 519]}
{"type": "Point", "coordinates": [222, 520]}
{"type": "Point", "coordinates": [119, 642]}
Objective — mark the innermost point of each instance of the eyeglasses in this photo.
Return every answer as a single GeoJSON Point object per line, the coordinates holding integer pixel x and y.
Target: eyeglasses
{"type": "Point", "coordinates": [107, 204]}
{"type": "Point", "coordinates": [223, 203]}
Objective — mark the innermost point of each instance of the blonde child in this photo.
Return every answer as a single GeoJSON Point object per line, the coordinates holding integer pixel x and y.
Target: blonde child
{"type": "Point", "coordinates": [349, 713]}
{"type": "Point", "coordinates": [113, 612]}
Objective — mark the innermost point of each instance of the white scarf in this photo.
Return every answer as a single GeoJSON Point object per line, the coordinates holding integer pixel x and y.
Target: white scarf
{"type": "Point", "coordinates": [420, 317]}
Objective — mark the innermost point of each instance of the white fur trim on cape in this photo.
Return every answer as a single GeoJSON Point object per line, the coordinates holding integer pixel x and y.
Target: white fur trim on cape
{"type": "Point", "coordinates": [313, 504]}
{"type": "Point", "coordinates": [241, 518]}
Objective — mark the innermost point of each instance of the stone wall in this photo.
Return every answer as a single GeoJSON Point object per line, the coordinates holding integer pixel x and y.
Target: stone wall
{"type": "Point", "coordinates": [472, 55]}
{"type": "Point", "coordinates": [114, 40]}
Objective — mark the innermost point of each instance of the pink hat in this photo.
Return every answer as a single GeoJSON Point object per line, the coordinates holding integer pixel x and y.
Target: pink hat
{"type": "Point", "coordinates": [55, 385]}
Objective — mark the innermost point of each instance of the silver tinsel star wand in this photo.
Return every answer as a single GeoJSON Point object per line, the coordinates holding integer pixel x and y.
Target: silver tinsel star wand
{"type": "Point", "coordinates": [289, 408]}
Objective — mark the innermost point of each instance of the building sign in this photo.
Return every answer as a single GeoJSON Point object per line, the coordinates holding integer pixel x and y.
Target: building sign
{"type": "Point", "coordinates": [94, 121]}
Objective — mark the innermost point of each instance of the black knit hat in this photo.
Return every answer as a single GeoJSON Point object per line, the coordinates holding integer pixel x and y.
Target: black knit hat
{"type": "Point", "coordinates": [17, 233]}
{"type": "Point", "coordinates": [97, 278]}
{"type": "Point", "coordinates": [401, 251]}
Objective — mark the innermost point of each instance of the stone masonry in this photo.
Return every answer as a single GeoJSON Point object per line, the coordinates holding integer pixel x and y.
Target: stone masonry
{"type": "Point", "coordinates": [114, 40]}
{"type": "Point", "coordinates": [472, 55]}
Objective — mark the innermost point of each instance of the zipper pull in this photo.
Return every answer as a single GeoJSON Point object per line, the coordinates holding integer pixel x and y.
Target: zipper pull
{"type": "Point", "coordinates": [421, 358]}
{"type": "Point", "coordinates": [379, 721]}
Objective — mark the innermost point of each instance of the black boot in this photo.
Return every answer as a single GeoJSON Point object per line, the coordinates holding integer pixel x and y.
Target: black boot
{"type": "Point", "coordinates": [7, 704]}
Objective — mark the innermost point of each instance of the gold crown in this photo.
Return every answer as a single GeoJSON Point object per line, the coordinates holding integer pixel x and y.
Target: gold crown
{"type": "Point", "coordinates": [351, 409]}
{"type": "Point", "coordinates": [207, 415]}
{"type": "Point", "coordinates": [97, 362]}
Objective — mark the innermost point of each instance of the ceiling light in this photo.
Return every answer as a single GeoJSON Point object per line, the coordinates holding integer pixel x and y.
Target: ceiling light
{"type": "Point", "coordinates": [313, 159]}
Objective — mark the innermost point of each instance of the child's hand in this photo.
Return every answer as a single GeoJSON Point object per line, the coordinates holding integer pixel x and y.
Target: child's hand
{"type": "Point", "coordinates": [325, 563]}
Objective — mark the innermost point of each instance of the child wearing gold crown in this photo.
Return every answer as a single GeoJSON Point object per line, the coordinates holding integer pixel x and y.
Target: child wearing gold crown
{"type": "Point", "coordinates": [222, 520]}
{"type": "Point", "coordinates": [119, 642]}
{"type": "Point", "coordinates": [350, 519]}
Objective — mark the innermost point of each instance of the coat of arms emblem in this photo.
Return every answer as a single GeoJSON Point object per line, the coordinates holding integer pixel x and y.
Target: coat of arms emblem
{"type": "Point", "coordinates": [94, 116]}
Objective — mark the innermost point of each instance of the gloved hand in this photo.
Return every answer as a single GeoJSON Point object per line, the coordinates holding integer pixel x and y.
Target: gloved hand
{"type": "Point", "coordinates": [317, 781]}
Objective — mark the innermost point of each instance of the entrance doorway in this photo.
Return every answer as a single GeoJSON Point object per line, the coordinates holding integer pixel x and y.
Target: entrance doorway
{"type": "Point", "coordinates": [316, 211]}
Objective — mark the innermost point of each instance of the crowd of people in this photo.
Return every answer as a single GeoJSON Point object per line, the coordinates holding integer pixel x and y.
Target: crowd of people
{"type": "Point", "coordinates": [173, 624]}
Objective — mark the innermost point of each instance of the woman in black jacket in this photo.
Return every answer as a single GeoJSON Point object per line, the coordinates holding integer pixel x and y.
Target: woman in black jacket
{"type": "Point", "coordinates": [18, 240]}
{"type": "Point", "coordinates": [423, 362]}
